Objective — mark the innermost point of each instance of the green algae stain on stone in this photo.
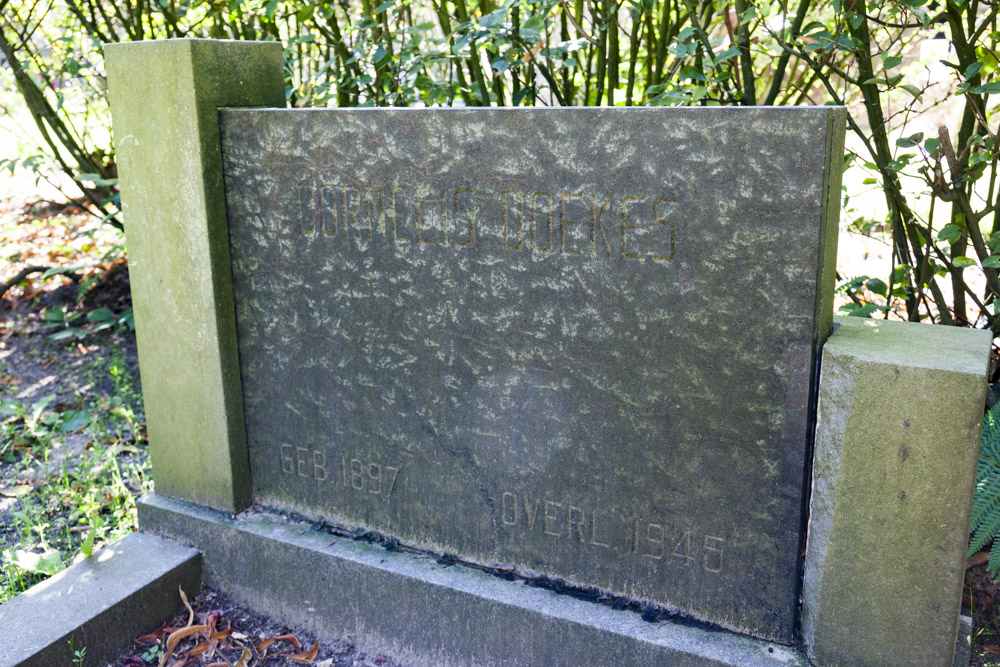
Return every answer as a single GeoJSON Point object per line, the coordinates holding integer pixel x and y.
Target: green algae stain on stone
{"type": "Point", "coordinates": [578, 343]}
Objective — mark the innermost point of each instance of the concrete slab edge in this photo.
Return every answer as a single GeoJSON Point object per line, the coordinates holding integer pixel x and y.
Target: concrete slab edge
{"type": "Point", "coordinates": [421, 612]}
{"type": "Point", "coordinates": [101, 603]}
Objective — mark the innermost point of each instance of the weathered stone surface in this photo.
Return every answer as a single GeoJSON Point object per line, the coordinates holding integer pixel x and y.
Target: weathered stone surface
{"type": "Point", "coordinates": [101, 603]}
{"type": "Point", "coordinates": [164, 97]}
{"type": "Point", "coordinates": [575, 342]}
{"type": "Point", "coordinates": [897, 442]}
{"type": "Point", "coordinates": [420, 612]}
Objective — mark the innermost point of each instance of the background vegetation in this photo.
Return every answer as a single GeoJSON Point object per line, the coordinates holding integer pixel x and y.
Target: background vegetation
{"type": "Point", "coordinates": [919, 77]}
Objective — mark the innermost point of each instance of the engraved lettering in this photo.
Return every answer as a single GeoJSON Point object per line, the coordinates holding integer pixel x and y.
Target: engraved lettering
{"type": "Point", "coordinates": [625, 226]}
{"type": "Point", "coordinates": [682, 548]}
{"type": "Point", "coordinates": [287, 461]}
{"type": "Point", "coordinates": [302, 461]}
{"type": "Point", "coordinates": [508, 508]}
{"type": "Point", "coordinates": [711, 558]}
{"type": "Point", "coordinates": [357, 474]}
{"type": "Point", "coordinates": [548, 220]}
{"type": "Point", "coordinates": [595, 223]}
{"type": "Point", "coordinates": [319, 466]}
{"type": "Point", "coordinates": [396, 212]}
{"type": "Point", "coordinates": [444, 216]}
{"type": "Point", "coordinates": [654, 541]}
{"type": "Point", "coordinates": [392, 471]}
{"type": "Point", "coordinates": [665, 223]}
{"type": "Point", "coordinates": [531, 512]}
{"type": "Point", "coordinates": [506, 220]}
{"type": "Point", "coordinates": [593, 531]}
{"type": "Point", "coordinates": [417, 216]}
{"type": "Point", "coordinates": [375, 209]}
{"type": "Point", "coordinates": [305, 209]}
{"type": "Point", "coordinates": [574, 519]}
{"type": "Point", "coordinates": [352, 212]}
{"type": "Point", "coordinates": [472, 217]}
{"type": "Point", "coordinates": [375, 475]}
{"type": "Point", "coordinates": [564, 223]}
{"type": "Point", "coordinates": [328, 210]}
{"type": "Point", "coordinates": [551, 515]}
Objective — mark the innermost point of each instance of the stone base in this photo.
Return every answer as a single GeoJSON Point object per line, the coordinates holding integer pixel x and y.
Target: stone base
{"type": "Point", "coordinates": [420, 612]}
{"type": "Point", "coordinates": [98, 604]}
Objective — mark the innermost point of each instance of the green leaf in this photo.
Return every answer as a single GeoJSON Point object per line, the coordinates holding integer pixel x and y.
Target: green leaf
{"type": "Point", "coordinates": [973, 69]}
{"type": "Point", "coordinates": [72, 66]}
{"type": "Point", "coordinates": [891, 61]}
{"type": "Point", "coordinates": [689, 72]}
{"type": "Point", "coordinates": [76, 420]}
{"type": "Point", "coordinates": [96, 179]}
{"type": "Point", "coordinates": [100, 315]}
{"type": "Point", "coordinates": [912, 90]}
{"type": "Point", "coordinates": [877, 286]}
{"type": "Point", "coordinates": [494, 19]}
{"type": "Point", "coordinates": [500, 64]}
{"type": "Point", "coordinates": [992, 262]}
{"type": "Point", "coordinates": [729, 53]}
{"type": "Point", "coordinates": [962, 262]}
{"type": "Point", "coordinates": [47, 562]}
{"type": "Point", "coordinates": [87, 548]}
{"type": "Point", "coordinates": [951, 233]}
{"type": "Point", "coordinates": [910, 141]}
{"type": "Point", "coordinates": [987, 88]}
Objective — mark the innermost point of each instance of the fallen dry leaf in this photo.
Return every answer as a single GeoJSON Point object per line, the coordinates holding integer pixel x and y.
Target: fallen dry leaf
{"type": "Point", "coordinates": [16, 491]}
{"type": "Point", "coordinates": [991, 648]}
{"type": "Point", "coordinates": [261, 646]}
{"type": "Point", "coordinates": [977, 559]}
{"type": "Point", "coordinates": [305, 657]}
{"type": "Point", "coordinates": [244, 658]}
{"type": "Point", "coordinates": [184, 598]}
{"type": "Point", "coordinates": [175, 637]}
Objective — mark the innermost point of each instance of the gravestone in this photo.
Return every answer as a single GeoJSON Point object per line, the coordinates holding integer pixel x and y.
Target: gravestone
{"type": "Point", "coordinates": [578, 343]}
{"type": "Point", "coordinates": [571, 346]}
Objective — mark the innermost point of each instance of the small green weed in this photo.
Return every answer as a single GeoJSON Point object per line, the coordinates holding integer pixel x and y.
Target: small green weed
{"type": "Point", "coordinates": [66, 501]}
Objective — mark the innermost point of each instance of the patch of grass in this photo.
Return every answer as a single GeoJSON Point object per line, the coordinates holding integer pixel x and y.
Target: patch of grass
{"type": "Point", "coordinates": [70, 472]}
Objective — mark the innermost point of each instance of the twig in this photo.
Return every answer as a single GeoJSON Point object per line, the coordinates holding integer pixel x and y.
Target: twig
{"type": "Point", "coordinates": [27, 271]}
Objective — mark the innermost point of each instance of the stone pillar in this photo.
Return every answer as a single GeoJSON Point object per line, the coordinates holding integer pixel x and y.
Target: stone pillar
{"type": "Point", "coordinates": [164, 100]}
{"type": "Point", "coordinates": [897, 441]}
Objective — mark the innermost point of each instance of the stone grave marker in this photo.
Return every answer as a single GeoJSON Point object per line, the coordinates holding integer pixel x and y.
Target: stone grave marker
{"type": "Point", "coordinates": [578, 343]}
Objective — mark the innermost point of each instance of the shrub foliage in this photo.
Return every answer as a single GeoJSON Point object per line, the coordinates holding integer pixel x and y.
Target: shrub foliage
{"type": "Point", "coordinates": [895, 63]}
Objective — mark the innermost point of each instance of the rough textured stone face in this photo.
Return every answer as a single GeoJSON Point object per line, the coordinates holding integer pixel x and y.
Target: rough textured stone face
{"type": "Point", "coordinates": [576, 343]}
{"type": "Point", "coordinates": [900, 409]}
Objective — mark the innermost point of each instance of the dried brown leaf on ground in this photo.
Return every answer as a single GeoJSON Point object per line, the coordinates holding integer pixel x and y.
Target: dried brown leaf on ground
{"type": "Point", "coordinates": [977, 559]}
{"type": "Point", "coordinates": [234, 631]}
{"type": "Point", "coordinates": [306, 657]}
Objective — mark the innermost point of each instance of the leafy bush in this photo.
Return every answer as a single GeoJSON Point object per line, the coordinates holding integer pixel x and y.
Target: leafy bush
{"type": "Point", "coordinates": [867, 55]}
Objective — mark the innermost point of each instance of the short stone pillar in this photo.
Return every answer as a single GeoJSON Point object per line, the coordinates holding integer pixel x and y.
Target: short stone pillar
{"type": "Point", "coordinates": [167, 145]}
{"type": "Point", "coordinates": [897, 442]}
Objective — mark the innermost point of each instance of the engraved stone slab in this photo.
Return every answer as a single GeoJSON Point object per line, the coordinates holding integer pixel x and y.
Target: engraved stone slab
{"type": "Point", "coordinates": [576, 343]}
